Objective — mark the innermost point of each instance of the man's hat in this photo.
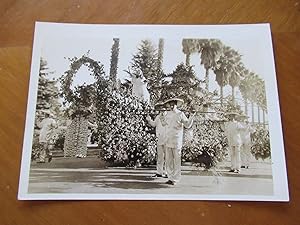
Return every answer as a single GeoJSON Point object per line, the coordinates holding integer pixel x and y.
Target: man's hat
{"type": "Point", "coordinates": [158, 104]}
{"type": "Point", "coordinates": [243, 116]}
{"type": "Point", "coordinates": [178, 100]}
{"type": "Point", "coordinates": [232, 113]}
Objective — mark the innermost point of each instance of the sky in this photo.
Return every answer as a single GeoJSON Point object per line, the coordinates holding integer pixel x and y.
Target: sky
{"type": "Point", "coordinates": [56, 50]}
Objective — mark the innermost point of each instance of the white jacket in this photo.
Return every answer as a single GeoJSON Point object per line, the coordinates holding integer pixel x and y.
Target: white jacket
{"type": "Point", "coordinates": [232, 131]}
{"type": "Point", "coordinates": [176, 120]}
{"type": "Point", "coordinates": [160, 128]}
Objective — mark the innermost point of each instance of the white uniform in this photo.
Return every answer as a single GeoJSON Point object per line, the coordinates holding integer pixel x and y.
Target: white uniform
{"type": "Point", "coordinates": [246, 144]}
{"type": "Point", "coordinates": [47, 129]}
{"type": "Point", "coordinates": [160, 126]}
{"type": "Point", "coordinates": [232, 131]}
{"type": "Point", "coordinates": [175, 120]}
{"type": "Point", "coordinates": [47, 125]}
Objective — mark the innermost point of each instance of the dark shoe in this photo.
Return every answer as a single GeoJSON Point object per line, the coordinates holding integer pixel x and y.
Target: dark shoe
{"type": "Point", "coordinates": [243, 166]}
{"type": "Point", "coordinates": [236, 171]}
{"type": "Point", "coordinates": [157, 175]}
{"type": "Point", "coordinates": [170, 182]}
{"type": "Point", "coordinates": [232, 170]}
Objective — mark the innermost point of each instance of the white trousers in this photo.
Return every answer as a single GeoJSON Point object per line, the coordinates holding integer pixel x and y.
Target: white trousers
{"type": "Point", "coordinates": [161, 159]}
{"type": "Point", "coordinates": [235, 156]}
{"type": "Point", "coordinates": [173, 163]}
{"type": "Point", "coordinates": [245, 154]}
{"type": "Point", "coordinates": [45, 152]}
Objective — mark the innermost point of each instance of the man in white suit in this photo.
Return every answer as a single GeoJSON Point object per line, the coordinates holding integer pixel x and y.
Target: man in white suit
{"type": "Point", "coordinates": [232, 131]}
{"type": "Point", "coordinates": [160, 125]}
{"type": "Point", "coordinates": [246, 141]}
{"type": "Point", "coordinates": [175, 121]}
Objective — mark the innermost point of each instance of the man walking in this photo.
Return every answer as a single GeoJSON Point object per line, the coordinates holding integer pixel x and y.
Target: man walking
{"type": "Point", "coordinates": [46, 133]}
{"type": "Point", "coordinates": [160, 125]}
{"type": "Point", "coordinates": [175, 121]}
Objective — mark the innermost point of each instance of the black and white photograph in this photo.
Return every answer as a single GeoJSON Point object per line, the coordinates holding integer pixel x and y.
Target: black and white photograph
{"type": "Point", "coordinates": [153, 112]}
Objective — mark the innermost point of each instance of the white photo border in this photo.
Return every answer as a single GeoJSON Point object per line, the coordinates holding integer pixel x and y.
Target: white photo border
{"type": "Point", "coordinates": [44, 29]}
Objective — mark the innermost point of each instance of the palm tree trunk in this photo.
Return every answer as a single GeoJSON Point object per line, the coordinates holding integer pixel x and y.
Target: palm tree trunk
{"type": "Point", "coordinates": [187, 59]}
{"type": "Point", "coordinates": [246, 106]}
{"type": "Point", "coordinates": [221, 93]}
{"type": "Point", "coordinates": [207, 79]}
{"type": "Point", "coordinates": [252, 109]}
{"type": "Point", "coordinates": [232, 94]}
{"type": "Point", "coordinates": [160, 54]}
{"type": "Point", "coordinates": [264, 118]}
{"type": "Point", "coordinates": [258, 114]}
{"type": "Point", "coordinates": [114, 61]}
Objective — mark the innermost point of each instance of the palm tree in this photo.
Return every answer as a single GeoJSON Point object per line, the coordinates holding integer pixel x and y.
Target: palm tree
{"type": "Point", "coordinates": [253, 90]}
{"type": "Point", "coordinates": [224, 67]}
{"type": "Point", "coordinates": [190, 46]}
{"type": "Point", "coordinates": [114, 61]}
{"type": "Point", "coordinates": [160, 55]}
{"type": "Point", "coordinates": [261, 98]}
{"type": "Point", "coordinates": [211, 51]}
{"type": "Point", "coordinates": [246, 88]}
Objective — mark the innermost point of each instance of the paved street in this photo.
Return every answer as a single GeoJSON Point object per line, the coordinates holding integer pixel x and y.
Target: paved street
{"type": "Point", "coordinates": [86, 176]}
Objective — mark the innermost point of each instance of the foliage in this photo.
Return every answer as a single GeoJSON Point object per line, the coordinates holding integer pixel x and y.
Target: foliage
{"type": "Point", "coordinates": [146, 63]}
{"type": "Point", "coordinates": [261, 143]}
{"type": "Point", "coordinates": [125, 137]}
{"type": "Point", "coordinates": [252, 88]}
{"type": "Point", "coordinates": [182, 83]}
{"type": "Point", "coordinates": [36, 147]}
{"type": "Point", "coordinates": [48, 93]}
{"type": "Point", "coordinates": [210, 51]}
{"type": "Point", "coordinates": [83, 96]}
{"type": "Point", "coordinates": [208, 145]}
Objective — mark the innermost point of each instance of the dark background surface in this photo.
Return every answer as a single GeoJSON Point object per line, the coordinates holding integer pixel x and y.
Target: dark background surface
{"type": "Point", "coordinates": [16, 35]}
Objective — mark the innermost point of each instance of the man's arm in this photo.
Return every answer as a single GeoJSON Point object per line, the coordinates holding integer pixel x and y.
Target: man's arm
{"type": "Point", "coordinates": [187, 123]}
{"type": "Point", "coordinates": [150, 121]}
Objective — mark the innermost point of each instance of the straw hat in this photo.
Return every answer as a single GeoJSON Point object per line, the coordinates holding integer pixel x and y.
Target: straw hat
{"type": "Point", "coordinates": [178, 100]}
{"type": "Point", "coordinates": [232, 113]}
{"type": "Point", "coordinates": [243, 117]}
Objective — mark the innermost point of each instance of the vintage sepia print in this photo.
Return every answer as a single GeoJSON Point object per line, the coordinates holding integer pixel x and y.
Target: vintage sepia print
{"type": "Point", "coordinates": [153, 112]}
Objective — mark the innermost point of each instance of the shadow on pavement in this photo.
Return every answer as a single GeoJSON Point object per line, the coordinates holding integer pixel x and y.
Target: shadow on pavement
{"type": "Point", "coordinates": [104, 178]}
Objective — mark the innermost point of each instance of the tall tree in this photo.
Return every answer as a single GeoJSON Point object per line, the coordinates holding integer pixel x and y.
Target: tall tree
{"type": "Point", "coordinates": [222, 80]}
{"type": "Point", "coordinates": [261, 99]}
{"type": "Point", "coordinates": [246, 88]}
{"type": "Point", "coordinates": [210, 53]}
{"type": "Point", "coordinates": [160, 55]}
{"type": "Point", "coordinates": [114, 61]}
{"type": "Point", "coordinates": [190, 46]}
{"type": "Point", "coordinates": [249, 87]}
{"type": "Point", "coordinates": [223, 68]}
{"type": "Point", "coordinates": [144, 63]}
{"type": "Point", "coordinates": [48, 93]}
